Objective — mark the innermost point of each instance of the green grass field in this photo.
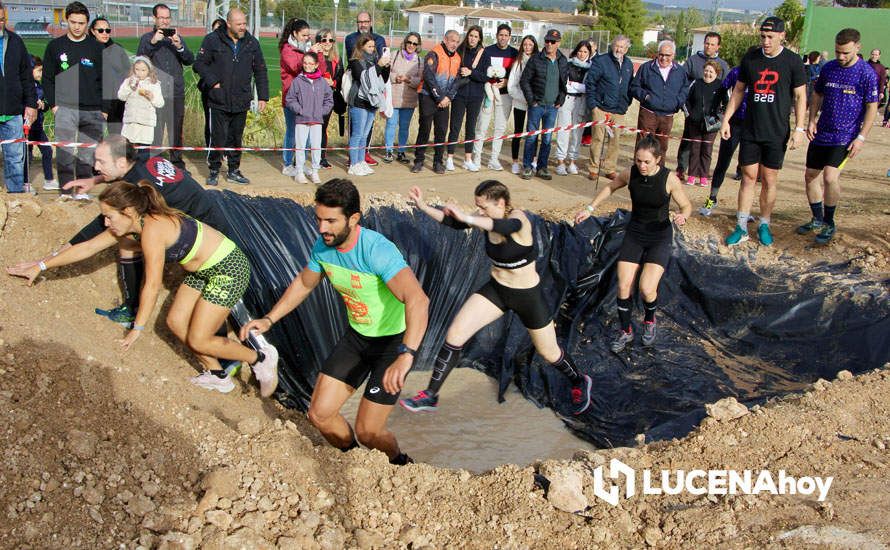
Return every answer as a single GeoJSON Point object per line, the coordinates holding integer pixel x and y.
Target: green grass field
{"type": "Point", "coordinates": [37, 46]}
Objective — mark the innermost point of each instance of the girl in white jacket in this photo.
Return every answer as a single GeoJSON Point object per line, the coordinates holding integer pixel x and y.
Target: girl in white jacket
{"type": "Point", "coordinates": [527, 48]}
{"type": "Point", "coordinates": [141, 92]}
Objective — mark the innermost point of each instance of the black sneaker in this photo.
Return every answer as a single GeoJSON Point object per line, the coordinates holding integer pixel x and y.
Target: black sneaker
{"type": "Point", "coordinates": [236, 176]}
{"type": "Point", "coordinates": [417, 167]}
{"type": "Point", "coordinates": [581, 395]}
{"type": "Point", "coordinates": [438, 168]}
{"type": "Point", "coordinates": [325, 164]}
{"type": "Point", "coordinates": [526, 174]}
{"type": "Point", "coordinates": [402, 158]}
{"type": "Point", "coordinates": [388, 157]}
{"type": "Point", "coordinates": [624, 338]}
{"type": "Point", "coordinates": [213, 178]}
{"type": "Point", "coordinates": [401, 460]}
{"type": "Point", "coordinates": [544, 174]}
{"type": "Point", "coordinates": [649, 330]}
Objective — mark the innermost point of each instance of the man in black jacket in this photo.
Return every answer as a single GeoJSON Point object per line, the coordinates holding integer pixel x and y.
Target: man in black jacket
{"type": "Point", "coordinates": [18, 96]}
{"type": "Point", "coordinates": [228, 57]}
{"type": "Point", "coordinates": [168, 54]}
{"type": "Point", "coordinates": [543, 84]}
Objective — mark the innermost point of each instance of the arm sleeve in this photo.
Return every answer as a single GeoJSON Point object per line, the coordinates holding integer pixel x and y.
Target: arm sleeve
{"type": "Point", "coordinates": [448, 221]}
{"type": "Point", "coordinates": [92, 229]}
{"type": "Point", "coordinates": [506, 226]}
{"type": "Point", "coordinates": [386, 260]}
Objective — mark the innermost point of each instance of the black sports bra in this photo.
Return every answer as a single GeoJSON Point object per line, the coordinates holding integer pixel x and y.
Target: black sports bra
{"type": "Point", "coordinates": [191, 233]}
{"type": "Point", "coordinates": [507, 254]}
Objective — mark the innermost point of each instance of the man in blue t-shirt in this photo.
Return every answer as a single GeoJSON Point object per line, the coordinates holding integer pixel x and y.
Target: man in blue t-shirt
{"type": "Point", "coordinates": [846, 92]}
{"type": "Point", "coordinates": [387, 312]}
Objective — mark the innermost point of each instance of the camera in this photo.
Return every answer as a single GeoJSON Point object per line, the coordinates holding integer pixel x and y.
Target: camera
{"type": "Point", "coordinates": [168, 32]}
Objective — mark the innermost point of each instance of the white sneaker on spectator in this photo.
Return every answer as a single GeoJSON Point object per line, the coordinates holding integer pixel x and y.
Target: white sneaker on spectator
{"type": "Point", "coordinates": [449, 164]}
{"type": "Point", "coordinates": [495, 165]}
{"type": "Point", "coordinates": [561, 170]}
{"type": "Point", "coordinates": [301, 178]}
{"type": "Point", "coordinates": [367, 168]}
{"type": "Point", "coordinates": [210, 381]}
{"type": "Point", "coordinates": [51, 185]}
{"type": "Point", "coordinates": [290, 171]}
{"type": "Point", "coordinates": [573, 168]}
{"type": "Point", "coordinates": [470, 166]}
{"type": "Point", "coordinates": [356, 170]}
{"type": "Point", "coordinates": [315, 179]}
{"type": "Point", "coordinates": [266, 371]}
{"type": "Point", "coordinates": [516, 168]}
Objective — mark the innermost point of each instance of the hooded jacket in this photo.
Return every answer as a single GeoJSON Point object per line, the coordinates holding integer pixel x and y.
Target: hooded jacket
{"type": "Point", "coordinates": [607, 83]}
{"type": "Point", "coordinates": [661, 97]}
{"type": "Point", "coordinates": [231, 65]}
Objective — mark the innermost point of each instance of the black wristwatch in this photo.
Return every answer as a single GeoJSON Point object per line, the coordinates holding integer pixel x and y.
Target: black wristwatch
{"type": "Point", "coordinates": [405, 349]}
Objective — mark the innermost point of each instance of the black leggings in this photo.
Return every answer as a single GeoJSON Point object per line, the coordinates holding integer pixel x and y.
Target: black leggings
{"type": "Point", "coordinates": [459, 106]}
{"type": "Point", "coordinates": [518, 126]}
{"type": "Point", "coordinates": [724, 157]}
{"type": "Point", "coordinates": [324, 134]}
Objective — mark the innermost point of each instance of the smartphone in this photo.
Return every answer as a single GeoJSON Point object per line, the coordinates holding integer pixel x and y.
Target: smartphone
{"type": "Point", "coordinates": [168, 32]}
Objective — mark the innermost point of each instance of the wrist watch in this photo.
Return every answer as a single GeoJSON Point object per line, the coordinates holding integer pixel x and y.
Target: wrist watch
{"type": "Point", "coordinates": [405, 349]}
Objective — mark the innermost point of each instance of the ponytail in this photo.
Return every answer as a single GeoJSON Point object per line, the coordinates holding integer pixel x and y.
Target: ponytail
{"type": "Point", "coordinates": [143, 198]}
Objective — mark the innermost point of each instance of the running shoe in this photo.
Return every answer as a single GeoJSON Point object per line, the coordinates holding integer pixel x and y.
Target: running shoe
{"type": "Point", "coordinates": [213, 178]}
{"type": "Point", "coordinates": [649, 330]}
{"type": "Point", "coordinates": [401, 157]}
{"type": "Point", "coordinates": [235, 176]}
{"type": "Point", "coordinates": [561, 170]}
{"type": "Point", "coordinates": [690, 180]}
{"type": "Point", "coordinates": [301, 178]}
{"type": "Point", "coordinates": [121, 315]}
{"type": "Point", "coordinates": [438, 168]}
{"type": "Point", "coordinates": [765, 235]}
{"type": "Point", "coordinates": [449, 164]}
{"type": "Point", "coordinates": [544, 174]}
{"type": "Point", "coordinates": [388, 157]}
{"type": "Point", "coordinates": [572, 169]}
{"type": "Point", "coordinates": [266, 371]}
{"type": "Point", "coordinates": [325, 164]}
{"type": "Point", "coordinates": [356, 170]}
{"type": "Point", "coordinates": [423, 401]}
{"type": "Point", "coordinates": [210, 381]}
{"type": "Point", "coordinates": [710, 204]}
{"type": "Point", "coordinates": [827, 233]}
{"type": "Point", "coordinates": [51, 185]}
{"type": "Point", "coordinates": [581, 395]}
{"type": "Point", "coordinates": [470, 166]}
{"type": "Point", "coordinates": [495, 165]}
{"type": "Point", "coordinates": [314, 177]}
{"type": "Point", "coordinates": [704, 182]}
{"type": "Point", "coordinates": [624, 338]}
{"type": "Point", "coordinates": [812, 225]}
{"type": "Point", "coordinates": [737, 237]}
{"type": "Point", "coordinates": [416, 167]}
{"type": "Point", "coordinates": [516, 168]}
{"type": "Point", "coordinates": [290, 171]}
{"type": "Point", "coordinates": [527, 174]}
{"type": "Point", "coordinates": [230, 367]}
{"type": "Point", "coordinates": [369, 160]}
{"type": "Point", "coordinates": [401, 460]}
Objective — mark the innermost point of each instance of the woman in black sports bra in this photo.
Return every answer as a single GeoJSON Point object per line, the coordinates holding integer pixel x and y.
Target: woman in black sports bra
{"type": "Point", "coordinates": [514, 286]}
{"type": "Point", "coordinates": [649, 234]}
{"type": "Point", "coordinates": [218, 274]}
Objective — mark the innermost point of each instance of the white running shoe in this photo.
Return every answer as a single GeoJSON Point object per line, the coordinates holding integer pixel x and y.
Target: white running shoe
{"type": "Point", "coordinates": [210, 381]}
{"type": "Point", "coordinates": [367, 168]}
{"type": "Point", "coordinates": [51, 185]}
{"type": "Point", "coordinates": [449, 164]}
{"type": "Point", "coordinates": [495, 165]}
{"type": "Point", "coordinates": [356, 170]}
{"type": "Point", "coordinates": [315, 179]}
{"type": "Point", "coordinates": [266, 371]}
{"type": "Point", "coordinates": [516, 168]}
{"type": "Point", "coordinates": [301, 178]}
{"type": "Point", "coordinates": [573, 168]}
{"type": "Point", "coordinates": [561, 170]}
{"type": "Point", "coordinates": [290, 171]}
{"type": "Point", "coordinates": [470, 166]}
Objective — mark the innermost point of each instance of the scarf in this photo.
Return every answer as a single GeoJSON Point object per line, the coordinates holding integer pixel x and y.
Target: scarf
{"type": "Point", "coordinates": [580, 64]}
{"type": "Point", "coordinates": [293, 42]}
{"type": "Point", "coordinates": [409, 56]}
{"type": "Point", "coordinates": [312, 76]}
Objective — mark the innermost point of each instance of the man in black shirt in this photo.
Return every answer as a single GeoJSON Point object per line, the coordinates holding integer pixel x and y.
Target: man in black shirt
{"type": "Point", "coordinates": [772, 77]}
{"type": "Point", "coordinates": [72, 85]}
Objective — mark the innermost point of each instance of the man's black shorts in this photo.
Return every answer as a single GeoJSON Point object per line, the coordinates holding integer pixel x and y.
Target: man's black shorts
{"type": "Point", "coordinates": [356, 356]}
{"type": "Point", "coordinates": [769, 154]}
{"type": "Point", "coordinates": [820, 156]}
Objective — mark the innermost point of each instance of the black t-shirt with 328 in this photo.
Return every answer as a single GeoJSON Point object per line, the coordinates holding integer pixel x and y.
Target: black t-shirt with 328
{"type": "Point", "coordinates": [770, 93]}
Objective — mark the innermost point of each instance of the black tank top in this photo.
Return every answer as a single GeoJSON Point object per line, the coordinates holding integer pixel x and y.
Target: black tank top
{"type": "Point", "coordinates": [650, 200]}
{"type": "Point", "coordinates": [509, 254]}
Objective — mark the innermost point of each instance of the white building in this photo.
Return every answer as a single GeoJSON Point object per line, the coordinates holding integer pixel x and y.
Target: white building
{"type": "Point", "coordinates": [651, 35]}
{"type": "Point", "coordinates": [432, 21]}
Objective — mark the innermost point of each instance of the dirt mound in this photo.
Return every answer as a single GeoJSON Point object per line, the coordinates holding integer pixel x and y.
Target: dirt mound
{"type": "Point", "coordinates": [104, 449]}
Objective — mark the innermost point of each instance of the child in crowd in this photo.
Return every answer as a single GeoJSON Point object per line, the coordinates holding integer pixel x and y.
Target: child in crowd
{"type": "Point", "coordinates": [311, 99]}
{"type": "Point", "coordinates": [141, 92]}
{"type": "Point", "coordinates": [37, 133]}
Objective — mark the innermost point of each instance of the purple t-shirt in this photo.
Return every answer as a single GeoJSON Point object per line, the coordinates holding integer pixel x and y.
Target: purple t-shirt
{"type": "Point", "coordinates": [845, 92]}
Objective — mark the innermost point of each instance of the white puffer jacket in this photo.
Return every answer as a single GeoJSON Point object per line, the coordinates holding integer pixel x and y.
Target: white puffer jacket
{"type": "Point", "coordinates": [513, 87]}
{"type": "Point", "coordinates": [139, 109]}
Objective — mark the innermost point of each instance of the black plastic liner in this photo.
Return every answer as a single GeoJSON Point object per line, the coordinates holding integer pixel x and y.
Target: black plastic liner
{"type": "Point", "coordinates": [724, 328]}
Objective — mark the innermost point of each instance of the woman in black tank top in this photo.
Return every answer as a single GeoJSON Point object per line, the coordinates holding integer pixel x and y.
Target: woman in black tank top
{"type": "Point", "coordinates": [514, 286]}
{"type": "Point", "coordinates": [649, 234]}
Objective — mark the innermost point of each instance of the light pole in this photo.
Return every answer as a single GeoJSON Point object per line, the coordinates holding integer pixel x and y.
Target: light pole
{"type": "Point", "coordinates": [336, 45]}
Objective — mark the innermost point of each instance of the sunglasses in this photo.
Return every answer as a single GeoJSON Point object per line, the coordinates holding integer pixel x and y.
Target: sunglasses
{"type": "Point", "coordinates": [103, 31]}
{"type": "Point", "coordinates": [326, 40]}
{"type": "Point", "coordinates": [551, 41]}
{"type": "Point", "coordinates": [412, 43]}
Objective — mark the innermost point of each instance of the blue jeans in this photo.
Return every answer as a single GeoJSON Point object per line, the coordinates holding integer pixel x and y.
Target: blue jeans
{"type": "Point", "coordinates": [362, 120]}
{"type": "Point", "coordinates": [13, 155]}
{"type": "Point", "coordinates": [289, 137]}
{"type": "Point", "coordinates": [402, 118]}
{"type": "Point", "coordinates": [539, 116]}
